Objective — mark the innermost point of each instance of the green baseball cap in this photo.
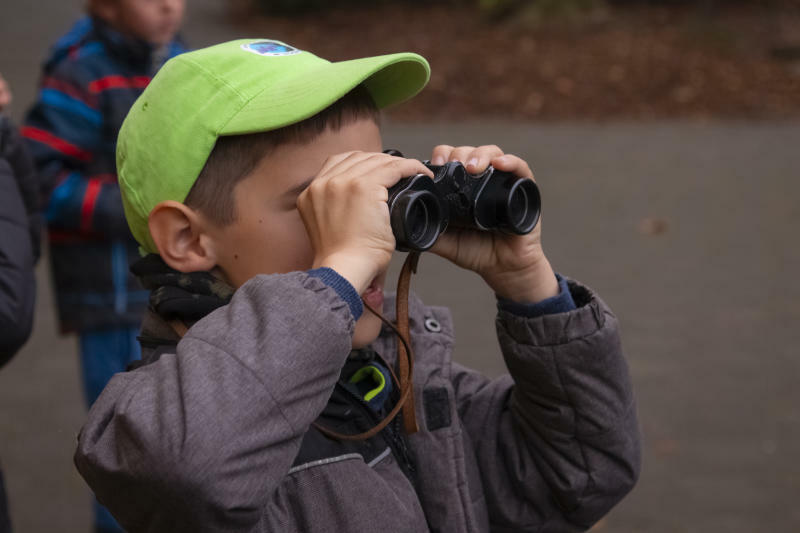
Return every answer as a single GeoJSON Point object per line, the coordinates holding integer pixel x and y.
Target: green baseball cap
{"type": "Point", "coordinates": [235, 88]}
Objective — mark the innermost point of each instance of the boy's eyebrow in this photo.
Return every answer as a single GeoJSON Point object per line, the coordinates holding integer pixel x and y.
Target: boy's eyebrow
{"type": "Point", "coordinates": [295, 191]}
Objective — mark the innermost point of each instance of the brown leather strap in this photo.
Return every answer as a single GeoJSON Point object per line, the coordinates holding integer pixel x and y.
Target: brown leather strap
{"type": "Point", "coordinates": [405, 358]}
{"type": "Point", "coordinates": [179, 327]}
{"type": "Point", "coordinates": [405, 361]}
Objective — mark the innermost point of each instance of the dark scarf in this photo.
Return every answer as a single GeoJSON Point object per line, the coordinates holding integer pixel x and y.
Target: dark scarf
{"type": "Point", "coordinates": [179, 295]}
{"type": "Point", "coordinates": [191, 296]}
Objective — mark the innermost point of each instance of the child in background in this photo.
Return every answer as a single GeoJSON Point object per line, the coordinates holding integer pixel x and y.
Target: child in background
{"type": "Point", "coordinates": [252, 173]}
{"type": "Point", "coordinates": [94, 74]}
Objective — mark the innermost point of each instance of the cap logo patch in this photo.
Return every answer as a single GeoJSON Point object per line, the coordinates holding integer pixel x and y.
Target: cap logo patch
{"type": "Point", "coordinates": [270, 48]}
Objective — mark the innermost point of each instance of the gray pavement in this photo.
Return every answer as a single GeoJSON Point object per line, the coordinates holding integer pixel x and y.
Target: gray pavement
{"type": "Point", "coordinates": [709, 308]}
{"type": "Point", "coordinates": [688, 230]}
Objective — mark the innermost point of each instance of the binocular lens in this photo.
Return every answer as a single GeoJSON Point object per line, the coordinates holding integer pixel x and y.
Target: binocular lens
{"type": "Point", "coordinates": [518, 206]}
{"type": "Point", "coordinates": [418, 220]}
{"type": "Point", "coordinates": [522, 206]}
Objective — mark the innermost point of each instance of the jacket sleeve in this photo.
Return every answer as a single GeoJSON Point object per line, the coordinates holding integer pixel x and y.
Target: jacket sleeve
{"type": "Point", "coordinates": [199, 440]}
{"type": "Point", "coordinates": [14, 151]}
{"type": "Point", "coordinates": [65, 131]}
{"type": "Point", "coordinates": [557, 441]}
{"type": "Point", "coordinates": [17, 282]}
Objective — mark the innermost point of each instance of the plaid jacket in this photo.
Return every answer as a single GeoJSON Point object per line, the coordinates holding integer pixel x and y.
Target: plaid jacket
{"type": "Point", "coordinates": [89, 82]}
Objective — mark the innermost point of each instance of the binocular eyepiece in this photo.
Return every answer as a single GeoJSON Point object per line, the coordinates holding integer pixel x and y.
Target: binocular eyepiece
{"type": "Point", "coordinates": [420, 209]}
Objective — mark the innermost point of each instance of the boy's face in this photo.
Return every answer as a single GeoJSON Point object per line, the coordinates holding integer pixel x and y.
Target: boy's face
{"type": "Point", "coordinates": [268, 236]}
{"type": "Point", "coordinates": [155, 21]}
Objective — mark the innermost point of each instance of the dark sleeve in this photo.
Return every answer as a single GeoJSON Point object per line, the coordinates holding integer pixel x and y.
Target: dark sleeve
{"type": "Point", "coordinates": [557, 441]}
{"type": "Point", "coordinates": [560, 303]}
{"type": "Point", "coordinates": [64, 130]}
{"type": "Point", "coordinates": [17, 282]}
{"type": "Point", "coordinates": [343, 288]}
{"type": "Point", "coordinates": [14, 151]}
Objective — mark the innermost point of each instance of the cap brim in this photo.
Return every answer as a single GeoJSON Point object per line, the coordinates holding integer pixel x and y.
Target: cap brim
{"type": "Point", "coordinates": [390, 79]}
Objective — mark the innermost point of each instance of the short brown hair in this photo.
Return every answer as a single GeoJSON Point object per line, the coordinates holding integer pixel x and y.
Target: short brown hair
{"type": "Point", "coordinates": [235, 156]}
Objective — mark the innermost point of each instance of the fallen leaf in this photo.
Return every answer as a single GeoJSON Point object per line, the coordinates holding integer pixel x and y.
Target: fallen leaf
{"type": "Point", "coordinates": [653, 226]}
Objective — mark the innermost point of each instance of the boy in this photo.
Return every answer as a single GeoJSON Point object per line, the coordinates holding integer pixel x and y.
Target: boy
{"type": "Point", "coordinates": [252, 173]}
{"type": "Point", "coordinates": [94, 74]}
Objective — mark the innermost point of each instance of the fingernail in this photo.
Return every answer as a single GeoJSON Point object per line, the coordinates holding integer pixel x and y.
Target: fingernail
{"type": "Point", "coordinates": [438, 160]}
{"type": "Point", "coordinates": [473, 162]}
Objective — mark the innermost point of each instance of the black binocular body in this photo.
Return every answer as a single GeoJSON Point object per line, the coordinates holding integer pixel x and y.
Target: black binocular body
{"type": "Point", "coordinates": [422, 208]}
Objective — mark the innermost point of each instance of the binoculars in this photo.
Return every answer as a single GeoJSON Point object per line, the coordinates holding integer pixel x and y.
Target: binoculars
{"type": "Point", "coordinates": [421, 208]}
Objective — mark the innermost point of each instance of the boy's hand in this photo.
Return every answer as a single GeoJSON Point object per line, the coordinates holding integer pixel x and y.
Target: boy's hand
{"type": "Point", "coordinates": [5, 93]}
{"type": "Point", "coordinates": [346, 214]}
{"type": "Point", "coordinates": [514, 266]}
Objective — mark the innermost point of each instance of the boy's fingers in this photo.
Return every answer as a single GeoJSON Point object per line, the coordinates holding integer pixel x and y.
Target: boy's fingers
{"type": "Point", "coordinates": [479, 159]}
{"type": "Point", "coordinates": [337, 159]}
{"type": "Point", "coordinates": [446, 246]}
{"type": "Point", "coordinates": [360, 164]}
{"type": "Point", "coordinates": [361, 167]}
{"type": "Point", "coordinates": [462, 246]}
{"type": "Point", "coordinates": [389, 173]}
{"type": "Point", "coordinates": [461, 153]}
{"type": "Point", "coordinates": [441, 154]}
{"type": "Point", "coordinates": [513, 164]}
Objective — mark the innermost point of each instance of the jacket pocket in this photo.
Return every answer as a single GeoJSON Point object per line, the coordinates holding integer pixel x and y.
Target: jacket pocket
{"type": "Point", "coordinates": [345, 493]}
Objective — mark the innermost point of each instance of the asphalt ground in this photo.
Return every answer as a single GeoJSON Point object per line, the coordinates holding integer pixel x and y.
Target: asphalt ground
{"type": "Point", "coordinates": [689, 232]}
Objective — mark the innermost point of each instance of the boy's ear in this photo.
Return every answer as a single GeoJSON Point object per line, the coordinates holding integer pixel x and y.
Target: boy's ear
{"type": "Point", "coordinates": [180, 235]}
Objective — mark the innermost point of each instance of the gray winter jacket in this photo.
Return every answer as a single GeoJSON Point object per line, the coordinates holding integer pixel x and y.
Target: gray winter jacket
{"type": "Point", "coordinates": [215, 434]}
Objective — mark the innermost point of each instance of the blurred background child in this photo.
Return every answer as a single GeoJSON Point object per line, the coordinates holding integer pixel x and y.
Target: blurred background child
{"type": "Point", "coordinates": [94, 74]}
